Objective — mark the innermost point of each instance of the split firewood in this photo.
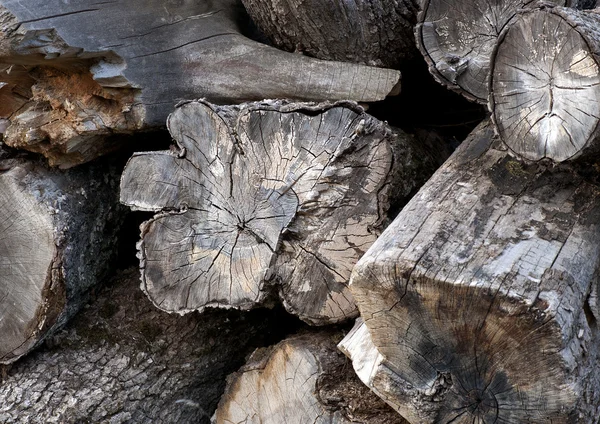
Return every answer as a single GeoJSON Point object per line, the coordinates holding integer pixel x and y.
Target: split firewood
{"type": "Point", "coordinates": [121, 360]}
{"type": "Point", "coordinates": [480, 300]}
{"type": "Point", "coordinates": [59, 232]}
{"type": "Point", "coordinates": [378, 33]}
{"type": "Point", "coordinates": [545, 84]}
{"type": "Point", "coordinates": [303, 379]}
{"type": "Point", "coordinates": [457, 39]}
{"type": "Point", "coordinates": [74, 73]}
{"type": "Point", "coordinates": [267, 196]}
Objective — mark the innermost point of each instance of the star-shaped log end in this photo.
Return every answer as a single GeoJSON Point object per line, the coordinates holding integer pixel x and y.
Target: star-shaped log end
{"type": "Point", "coordinates": [220, 223]}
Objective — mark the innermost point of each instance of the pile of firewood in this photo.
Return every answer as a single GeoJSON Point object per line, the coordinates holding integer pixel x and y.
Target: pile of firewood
{"type": "Point", "coordinates": [287, 209]}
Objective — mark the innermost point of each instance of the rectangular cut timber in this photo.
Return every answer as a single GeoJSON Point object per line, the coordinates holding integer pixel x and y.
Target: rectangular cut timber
{"type": "Point", "coordinates": [480, 299]}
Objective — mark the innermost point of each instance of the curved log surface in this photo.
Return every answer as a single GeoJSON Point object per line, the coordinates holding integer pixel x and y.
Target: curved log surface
{"type": "Point", "coordinates": [303, 379]}
{"type": "Point", "coordinates": [58, 235]}
{"type": "Point", "coordinates": [376, 33]}
{"type": "Point", "coordinates": [480, 299]}
{"type": "Point", "coordinates": [124, 361]}
{"type": "Point", "coordinates": [545, 84]}
{"type": "Point", "coordinates": [267, 196]}
{"type": "Point", "coordinates": [457, 39]}
{"type": "Point", "coordinates": [107, 68]}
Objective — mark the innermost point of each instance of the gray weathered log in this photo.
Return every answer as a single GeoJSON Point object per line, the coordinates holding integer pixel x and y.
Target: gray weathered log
{"type": "Point", "coordinates": [378, 33]}
{"type": "Point", "coordinates": [58, 232]}
{"type": "Point", "coordinates": [74, 72]}
{"type": "Point", "coordinates": [267, 196]}
{"type": "Point", "coordinates": [457, 39]}
{"type": "Point", "coordinates": [303, 379]}
{"type": "Point", "coordinates": [480, 299]}
{"type": "Point", "coordinates": [121, 360]}
{"type": "Point", "coordinates": [545, 84]}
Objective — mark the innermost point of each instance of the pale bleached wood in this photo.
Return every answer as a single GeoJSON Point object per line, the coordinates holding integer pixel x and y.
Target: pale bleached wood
{"type": "Point", "coordinates": [57, 236]}
{"type": "Point", "coordinates": [545, 84]}
{"type": "Point", "coordinates": [264, 198]}
{"type": "Point", "coordinates": [457, 39]}
{"type": "Point", "coordinates": [480, 298]}
{"type": "Point", "coordinates": [303, 379]}
{"type": "Point", "coordinates": [75, 72]}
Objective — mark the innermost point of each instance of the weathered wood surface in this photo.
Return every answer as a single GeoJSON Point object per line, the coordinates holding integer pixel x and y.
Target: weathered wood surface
{"type": "Point", "coordinates": [74, 72]}
{"type": "Point", "coordinates": [303, 379]}
{"type": "Point", "coordinates": [267, 197]}
{"type": "Point", "coordinates": [121, 360]}
{"type": "Point", "coordinates": [480, 299]}
{"type": "Point", "coordinates": [57, 237]}
{"type": "Point", "coordinates": [545, 84]}
{"type": "Point", "coordinates": [378, 33]}
{"type": "Point", "coordinates": [457, 39]}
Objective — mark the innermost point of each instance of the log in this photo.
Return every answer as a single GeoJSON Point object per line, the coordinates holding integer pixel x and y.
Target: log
{"type": "Point", "coordinates": [480, 299]}
{"type": "Point", "coordinates": [457, 39]}
{"type": "Point", "coordinates": [267, 197]}
{"type": "Point", "coordinates": [59, 232]}
{"type": "Point", "coordinates": [303, 379]}
{"type": "Point", "coordinates": [545, 84]}
{"type": "Point", "coordinates": [376, 33]}
{"type": "Point", "coordinates": [124, 361]}
{"type": "Point", "coordinates": [76, 72]}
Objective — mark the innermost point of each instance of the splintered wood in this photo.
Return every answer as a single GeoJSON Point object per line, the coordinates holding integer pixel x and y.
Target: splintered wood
{"type": "Point", "coordinates": [480, 300]}
{"type": "Point", "coordinates": [72, 73]}
{"type": "Point", "coordinates": [545, 84]}
{"type": "Point", "coordinates": [266, 197]}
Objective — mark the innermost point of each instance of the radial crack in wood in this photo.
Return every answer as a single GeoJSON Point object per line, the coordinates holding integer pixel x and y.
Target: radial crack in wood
{"type": "Point", "coordinates": [457, 39]}
{"type": "Point", "coordinates": [72, 73]}
{"type": "Point", "coordinates": [303, 379]}
{"type": "Point", "coordinates": [267, 196]}
{"type": "Point", "coordinates": [479, 300]}
{"type": "Point", "coordinates": [545, 84]}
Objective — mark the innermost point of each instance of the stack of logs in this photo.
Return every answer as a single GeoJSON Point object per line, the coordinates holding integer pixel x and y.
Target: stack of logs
{"type": "Point", "coordinates": [478, 302]}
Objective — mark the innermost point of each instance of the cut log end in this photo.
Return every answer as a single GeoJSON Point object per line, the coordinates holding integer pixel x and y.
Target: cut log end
{"type": "Point", "coordinates": [545, 86]}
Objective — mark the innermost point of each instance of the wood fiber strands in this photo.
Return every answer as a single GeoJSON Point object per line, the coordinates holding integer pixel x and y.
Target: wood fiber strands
{"type": "Point", "coordinates": [267, 196]}
{"type": "Point", "coordinates": [480, 301]}
{"type": "Point", "coordinates": [545, 84]}
{"type": "Point", "coordinates": [72, 73]}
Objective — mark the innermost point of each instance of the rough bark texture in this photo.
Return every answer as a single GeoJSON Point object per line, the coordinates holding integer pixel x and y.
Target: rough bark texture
{"type": "Point", "coordinates": [457, 39]}
{"type": "Point", "coordinates": [58, 235]}
{"type": "Point", "coordinates": [545, 84]}
{"type": "Point", "coordinates": [124, 361]}
{"type": "Point", "coordinates": [263, 196]}
{"type": "Point", "coordinates": [303, 379]}
{"type": "Point", "coordinates": [378, 33]}
{"type": "Point", "coordinates": [74, 72]}
{"type": "Point", "coordinates": [480, 299]}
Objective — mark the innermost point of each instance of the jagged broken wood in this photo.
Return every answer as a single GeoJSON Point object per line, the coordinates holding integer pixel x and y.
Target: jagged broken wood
{"type": "Point", "coordinates": [57, 236]}
{"type": "Point", "coordinates": [267, 197]}
{"type": "Point", "coordinates": [72, 73]}
{"type": "Point", "coordinates": [303, 379]}
{"type": "Point", "coordinates": [480, 300]}
{"type": "Point", "coordinates": [457, 39]}
{"type": "Point", "coordinates": [545, 84]}
{"type": "Point", "coordinates": [378, 33]}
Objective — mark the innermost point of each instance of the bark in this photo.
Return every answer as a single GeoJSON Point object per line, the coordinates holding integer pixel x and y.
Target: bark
{"type": "Point", "coordinates": [545, 84]}
{"type": "Point", "coordinates": [378, 33]}
{"type": "Point", "coordinates": [457, 39]}
{"type": "Point", "coordinates": [303, 379]}
{"type": "Point", "coordinates": [59, 232]}
{"type": "Point", "coordinates": [74, 73]}
{"type": "Point", "coordinates": [480, 299]}
{"type": "Point", "coordinates": [123, 361]}
{"type": "Point", "coordinates": [267, 196]}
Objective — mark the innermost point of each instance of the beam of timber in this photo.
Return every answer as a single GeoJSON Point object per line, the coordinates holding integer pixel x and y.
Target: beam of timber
{"type": "Point", "coordinates": [267, 197]}
{"type": "Point", "coordinates": [72, 73]}
{"type": "Point", "coordinates": [480, 300]}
